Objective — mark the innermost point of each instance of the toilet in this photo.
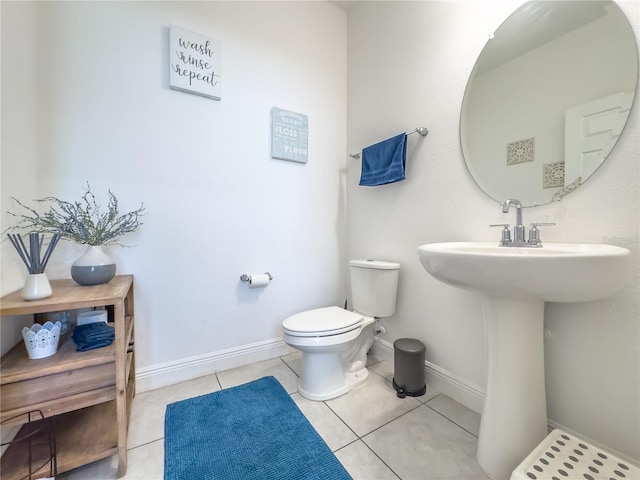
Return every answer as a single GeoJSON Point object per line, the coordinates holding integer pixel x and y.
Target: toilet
{"type": "Point", "coordinates": [334, 342]}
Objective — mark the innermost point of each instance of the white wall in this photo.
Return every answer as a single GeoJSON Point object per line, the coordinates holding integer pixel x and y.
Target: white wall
{"type": "Point", "coordinates": [19, 145]}
{"type": "Point", "coordinates": [218, 205]}
{"type": "Point", "coordinates": [408, 67]}
{"type": "Point", "coordinates": [85, 97]}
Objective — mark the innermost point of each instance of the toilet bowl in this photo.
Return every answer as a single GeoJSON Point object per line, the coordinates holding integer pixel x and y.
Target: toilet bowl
{"type": "Point", "coordinates": [334, 341]}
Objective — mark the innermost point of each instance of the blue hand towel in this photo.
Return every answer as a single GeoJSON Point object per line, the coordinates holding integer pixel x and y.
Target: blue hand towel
{"type": "Point", "coordinates": [92, 335]}
{"type": "Point", "coordinates": [384, 162]}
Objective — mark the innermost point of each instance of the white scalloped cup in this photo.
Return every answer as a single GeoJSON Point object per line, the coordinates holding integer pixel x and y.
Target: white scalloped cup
{"type": "Point", "coordinates": [42, 340]}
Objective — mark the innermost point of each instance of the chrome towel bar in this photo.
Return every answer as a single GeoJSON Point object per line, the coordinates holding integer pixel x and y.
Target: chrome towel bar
{"type": "Point", "coordinates": [421, 130]}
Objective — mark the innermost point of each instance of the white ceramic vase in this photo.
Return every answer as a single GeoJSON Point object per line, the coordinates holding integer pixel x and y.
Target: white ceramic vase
{"type": "Point", "coordinates": [94, 267]}
{"type": "Point", "coordinates": [36, 287]}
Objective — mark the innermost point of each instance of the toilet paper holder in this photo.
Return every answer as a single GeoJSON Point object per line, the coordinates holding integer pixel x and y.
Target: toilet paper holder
{"type": "Point", "coordinates": [247, 278]}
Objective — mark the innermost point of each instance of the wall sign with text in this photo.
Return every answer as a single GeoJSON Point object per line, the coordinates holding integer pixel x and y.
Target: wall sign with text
{"type": "Point", "coordinates": [289, 135]}
{"type": "Point", "coordinates": [194, 63]}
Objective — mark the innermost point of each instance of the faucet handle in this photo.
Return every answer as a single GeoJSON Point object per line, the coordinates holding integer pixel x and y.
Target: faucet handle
{"type": "Point", "coordinates": [506, 233]}
{"type": "Point", "coordinates": [534, 233]}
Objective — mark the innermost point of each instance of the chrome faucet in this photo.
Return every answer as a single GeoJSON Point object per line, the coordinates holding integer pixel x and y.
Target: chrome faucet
{"type": "Point", "coordinates": [518, 229]}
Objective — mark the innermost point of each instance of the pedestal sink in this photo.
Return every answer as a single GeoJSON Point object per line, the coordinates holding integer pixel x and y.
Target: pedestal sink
{"type": "Point", "coordinates": [514, 283]}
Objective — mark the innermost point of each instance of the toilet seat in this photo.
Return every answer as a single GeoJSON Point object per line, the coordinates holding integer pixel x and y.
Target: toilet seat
{"type": "Point", "coordinates": [322, 322]}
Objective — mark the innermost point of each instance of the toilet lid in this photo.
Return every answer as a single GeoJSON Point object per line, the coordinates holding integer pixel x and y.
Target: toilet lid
{"type": "Point", "coordinates": [322, 322]}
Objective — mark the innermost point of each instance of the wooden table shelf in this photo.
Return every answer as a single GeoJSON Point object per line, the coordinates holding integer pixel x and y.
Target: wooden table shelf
{"type": "Point", "coordinates": [88, 393]}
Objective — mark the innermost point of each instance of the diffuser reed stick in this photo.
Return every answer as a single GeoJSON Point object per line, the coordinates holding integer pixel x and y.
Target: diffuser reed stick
{"type": "Point", "coordinates": [32, 257]}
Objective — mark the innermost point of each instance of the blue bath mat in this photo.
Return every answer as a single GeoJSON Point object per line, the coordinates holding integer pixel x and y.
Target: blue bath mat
{"type": "Point", "coordinates": [252, 431]}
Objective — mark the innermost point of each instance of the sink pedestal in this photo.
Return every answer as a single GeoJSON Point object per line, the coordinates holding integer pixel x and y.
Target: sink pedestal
{"type": "Point", "coordinates": [514, 414]}
{"type": "Point", "coordinates": [515, 283]}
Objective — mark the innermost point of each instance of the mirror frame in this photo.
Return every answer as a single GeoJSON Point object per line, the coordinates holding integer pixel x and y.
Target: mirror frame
{"type": "Point", "coordinates": [527, 139]}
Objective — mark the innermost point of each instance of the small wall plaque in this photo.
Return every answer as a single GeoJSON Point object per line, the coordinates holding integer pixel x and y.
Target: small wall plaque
{"type": "Point", "coordinates": [289, 135]}
{"type": "Point", "coordinates": [521, 151]}
{"type": "Point", "coordinates": [553, 175]}
{"type": "Point", "coordinates": [194, 63]}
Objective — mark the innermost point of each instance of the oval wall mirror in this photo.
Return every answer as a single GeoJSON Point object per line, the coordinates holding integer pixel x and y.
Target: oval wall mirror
{"type": "Point", "coordinates": [548, 98]}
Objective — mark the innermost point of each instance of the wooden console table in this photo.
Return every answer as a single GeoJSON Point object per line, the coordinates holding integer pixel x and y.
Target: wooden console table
{"type": "Point", "coordinates": [88, 393]}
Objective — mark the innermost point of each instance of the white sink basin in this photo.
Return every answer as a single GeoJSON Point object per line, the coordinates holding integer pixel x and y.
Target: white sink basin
{"type": "Point", "coordinates": [557, 272]}
{"type": "Point", "coordinates": [514, 283]}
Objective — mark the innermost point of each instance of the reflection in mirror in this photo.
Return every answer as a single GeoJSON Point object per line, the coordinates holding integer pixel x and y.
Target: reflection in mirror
{"type": "Point", "coordinates": [548, 98]}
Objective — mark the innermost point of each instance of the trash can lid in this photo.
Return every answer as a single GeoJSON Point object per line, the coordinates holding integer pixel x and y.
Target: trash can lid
{"type": "Point", "coordinates": [409, 345]}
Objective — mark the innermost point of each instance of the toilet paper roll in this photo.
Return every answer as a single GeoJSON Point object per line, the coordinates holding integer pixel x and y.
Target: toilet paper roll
{"type": "Point", "coordinates": [258, 280]}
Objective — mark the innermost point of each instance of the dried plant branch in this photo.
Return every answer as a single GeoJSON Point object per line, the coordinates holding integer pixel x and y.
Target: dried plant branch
{"type": "Point", "coordinates": [82, 221]}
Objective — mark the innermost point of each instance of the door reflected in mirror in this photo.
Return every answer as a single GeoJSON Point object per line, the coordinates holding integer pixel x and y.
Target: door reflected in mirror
{"type": "Point", "coordinates": [548, 99]}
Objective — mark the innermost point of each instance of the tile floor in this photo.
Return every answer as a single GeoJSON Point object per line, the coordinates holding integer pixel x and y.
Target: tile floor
{"type": "Point", "coordinates": [375, 435]}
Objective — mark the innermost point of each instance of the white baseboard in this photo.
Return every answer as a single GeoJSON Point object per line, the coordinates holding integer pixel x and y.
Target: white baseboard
{"type": "Point", "coordinates": [439, 380]}
{"type": "Point", "coordinates": [170, 373]}
{"type": "Point", "coordinates": [471, 396]}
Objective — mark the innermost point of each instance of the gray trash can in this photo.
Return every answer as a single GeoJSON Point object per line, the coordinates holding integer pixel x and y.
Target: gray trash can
{"type": "Point", "coordinates": [408, 369]}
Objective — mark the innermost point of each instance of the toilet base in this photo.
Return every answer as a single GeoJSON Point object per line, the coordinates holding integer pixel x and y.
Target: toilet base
{"type": "Point", "coordinates": [351, 381]}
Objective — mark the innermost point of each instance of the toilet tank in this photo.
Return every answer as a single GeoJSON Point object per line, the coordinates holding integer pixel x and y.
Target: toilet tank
{"type": "Point", "coordinates": [374, 287]}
